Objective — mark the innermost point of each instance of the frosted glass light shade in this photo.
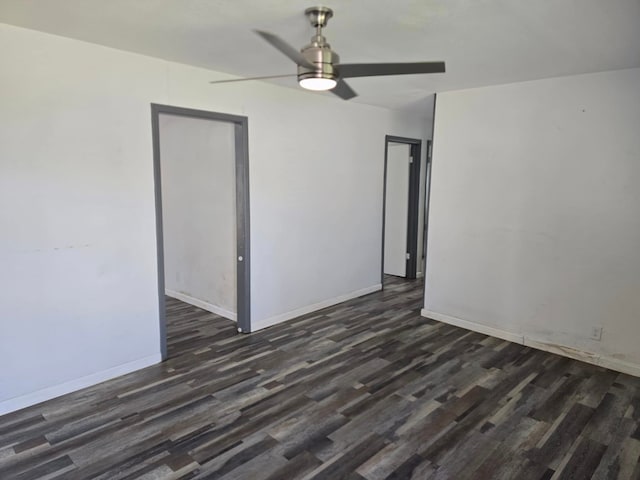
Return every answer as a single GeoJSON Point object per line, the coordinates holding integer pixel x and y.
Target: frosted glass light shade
{"type": "Point", "coordinates": [315, 83]}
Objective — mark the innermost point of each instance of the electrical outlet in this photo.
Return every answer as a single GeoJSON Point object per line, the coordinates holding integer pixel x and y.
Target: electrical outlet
{"type": "Point", "coordinates": [596, 333]}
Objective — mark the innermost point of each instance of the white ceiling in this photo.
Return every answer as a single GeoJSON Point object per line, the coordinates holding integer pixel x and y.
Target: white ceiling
{"type": "Point", "coordinates": [483, 42]}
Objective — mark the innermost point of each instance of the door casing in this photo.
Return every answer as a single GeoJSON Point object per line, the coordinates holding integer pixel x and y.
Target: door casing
{"type": "Point", "coordinates": [241, 137]}
{"type": "Point", "coordinates": [414, 208]}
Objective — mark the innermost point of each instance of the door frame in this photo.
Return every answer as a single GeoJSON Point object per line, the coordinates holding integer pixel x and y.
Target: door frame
{"type": "Point", "coordinates": [427, 195]}
{"type": "Point", "coordinates": [414, 199]}
{"type": "Point", "coordinates": [241, 135]}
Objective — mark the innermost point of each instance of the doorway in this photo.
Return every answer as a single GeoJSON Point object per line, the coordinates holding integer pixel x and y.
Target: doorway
{"type": "Point", "coordinates": [201, 181]}
{"type": "Point", "coordinates": [402, 210]}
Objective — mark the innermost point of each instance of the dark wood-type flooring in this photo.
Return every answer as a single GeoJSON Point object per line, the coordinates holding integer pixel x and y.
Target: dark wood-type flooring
{"type": "Point", "coordinates": [364, 390]}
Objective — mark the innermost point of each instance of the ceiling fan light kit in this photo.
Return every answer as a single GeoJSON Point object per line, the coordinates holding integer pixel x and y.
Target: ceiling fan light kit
{"type": "Point", "coordinates": [319, 67]}
{"type": "Point", "coordinates": [318, 84]}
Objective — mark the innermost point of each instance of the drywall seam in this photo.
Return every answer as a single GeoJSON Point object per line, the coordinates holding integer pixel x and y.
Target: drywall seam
{"type": "Point", "coordinates": [209, 307]}
{"type": "Point", "coordinates": [609, 362]}
{"type": "Point", "coordinates": [314, 307]}
{"type": "Point", "coordinates": [54, 391]}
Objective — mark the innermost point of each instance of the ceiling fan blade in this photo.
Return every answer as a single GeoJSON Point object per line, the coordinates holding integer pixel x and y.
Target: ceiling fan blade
{"type": "Point", "coordinates": [254, 78]}
{"type": "Point", "coordinates": [287, 49]}
{"type": "Point", "coordinates": [343, 90]}
{"type": "Point", "coordinates": [350, 70]}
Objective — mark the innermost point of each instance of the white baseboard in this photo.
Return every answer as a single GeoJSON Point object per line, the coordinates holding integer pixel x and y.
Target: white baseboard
{"type": "Point", "coordinates": [562, 350]}
{"type": "Point", "coordinates": [476, 327]}
{"type": "Point", "coordinates": [283, 317]}
{"type": "Point", "coordinates": [23, 401]}
{"type": "Point", "coordinates": [209, 307]}
{"type": "Point", "coordinates": [620, 365]}
{"type": "Point", "coordinates": [611, 363]}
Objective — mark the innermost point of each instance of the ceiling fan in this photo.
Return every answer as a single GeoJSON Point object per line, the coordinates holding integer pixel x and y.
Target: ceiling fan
{"type": "Point", "coordinates": [319, 67]}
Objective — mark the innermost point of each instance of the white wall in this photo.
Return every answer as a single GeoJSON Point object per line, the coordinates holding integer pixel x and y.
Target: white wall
{"type": "Point", "coordinates": [78, 279]}
{"type": "Point", "coordinates": [77, 295]}
{"type": "Point", "coordinates": [197, 164]}
{"type": "Point", "coordinates": [534, 222]}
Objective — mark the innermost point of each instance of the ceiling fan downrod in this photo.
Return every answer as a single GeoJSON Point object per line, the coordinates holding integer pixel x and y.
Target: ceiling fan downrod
{"type": "Point", "coordinates": [319, 17]}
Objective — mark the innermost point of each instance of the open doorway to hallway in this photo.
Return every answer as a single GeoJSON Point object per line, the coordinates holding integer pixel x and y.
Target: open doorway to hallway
{"type": "Point", "coordinates": [404, 212]}
{"type": "Point", "coordinates": [202, 212]}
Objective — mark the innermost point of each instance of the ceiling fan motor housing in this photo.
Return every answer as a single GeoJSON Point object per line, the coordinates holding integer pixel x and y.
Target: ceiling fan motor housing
{"type": "Point", "coordinates": [321, 55]}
